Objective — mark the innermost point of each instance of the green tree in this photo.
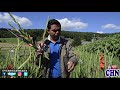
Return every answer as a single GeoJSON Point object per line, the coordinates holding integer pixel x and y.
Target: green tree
{"type": "Point", "coordinates": [76, 41]}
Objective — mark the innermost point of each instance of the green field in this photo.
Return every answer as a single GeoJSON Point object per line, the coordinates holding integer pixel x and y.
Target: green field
{"type": "Point", "coordinates": [8, 40]}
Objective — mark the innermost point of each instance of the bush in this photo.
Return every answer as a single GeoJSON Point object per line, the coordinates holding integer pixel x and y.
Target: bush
{"type": "Point", "coordinates": [76, 41]}
{"type": "Point", "coordinates": [4, 41]}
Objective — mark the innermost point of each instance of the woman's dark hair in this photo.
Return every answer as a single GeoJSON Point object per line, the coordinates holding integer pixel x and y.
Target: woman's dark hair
{"type": "Point", "coordinates": [53, 21]}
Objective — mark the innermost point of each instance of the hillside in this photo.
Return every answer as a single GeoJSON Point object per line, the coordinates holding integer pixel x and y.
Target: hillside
{"type": "Point", "coordinates": [37, 33]}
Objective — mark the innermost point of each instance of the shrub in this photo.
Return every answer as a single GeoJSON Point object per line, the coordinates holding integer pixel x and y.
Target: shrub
{"type": "Point", "coordinates": [76, 41]}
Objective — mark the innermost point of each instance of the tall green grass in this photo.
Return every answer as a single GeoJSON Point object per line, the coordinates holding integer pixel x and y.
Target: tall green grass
{"type": "Point", "coordinates": [20, 58]}
{"type": "Point", "coordinates": [89, 63]}
{"type": "Point", "coordinates": [8, 40]}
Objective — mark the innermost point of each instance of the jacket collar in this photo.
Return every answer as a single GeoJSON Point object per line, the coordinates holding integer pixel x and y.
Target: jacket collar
{"type": "Point", "coordinates": [61, 40]}
{"type": "Point", "coordinates": [52, 41]}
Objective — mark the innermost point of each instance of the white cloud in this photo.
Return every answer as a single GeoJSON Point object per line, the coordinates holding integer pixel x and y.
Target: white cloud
{"type": "Point", "coordinates": [24, 22]}
{"type": "Point", "coordinates": [111, 26]}
{"type": "Point", "coordinates": [74, 24]}
{"type": "Point", "coordinates": [100, 32]}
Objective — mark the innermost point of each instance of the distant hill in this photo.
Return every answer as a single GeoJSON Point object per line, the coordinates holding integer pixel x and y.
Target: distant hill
{"type": "Point", "coordinates": [37, 34]}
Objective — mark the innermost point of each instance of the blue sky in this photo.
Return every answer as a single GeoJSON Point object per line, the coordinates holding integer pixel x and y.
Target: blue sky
{"type": "Point", "coordinates": [100, 22]}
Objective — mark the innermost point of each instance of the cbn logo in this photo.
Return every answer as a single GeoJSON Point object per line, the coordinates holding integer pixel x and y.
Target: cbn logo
{"type": "Point", "coordinates": [112, 72]}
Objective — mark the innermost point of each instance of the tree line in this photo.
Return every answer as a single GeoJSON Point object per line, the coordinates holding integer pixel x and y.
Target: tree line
{"type": "Point", "coordinates": [75, 36]}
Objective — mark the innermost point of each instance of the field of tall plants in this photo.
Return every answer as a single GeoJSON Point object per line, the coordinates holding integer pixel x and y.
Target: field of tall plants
{"type": "Point", "coordinates": [91, 64]}
{"type": "Point", "coordinates": [96, 57]}
{"type": "Point", "coordinates": [19, 57]}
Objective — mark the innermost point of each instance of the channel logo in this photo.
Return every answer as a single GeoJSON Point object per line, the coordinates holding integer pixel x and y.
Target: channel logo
{"type": "Point", "coordinates": [112, 73]}
{"type": "Point", "coordinates": [25, 74]}
{"type": "Point", "coordinates": [3, 73]}
{"type": "Point", "coordinates": [19, 74]}
{"type": "Point", "coordinates": [11, 73]}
